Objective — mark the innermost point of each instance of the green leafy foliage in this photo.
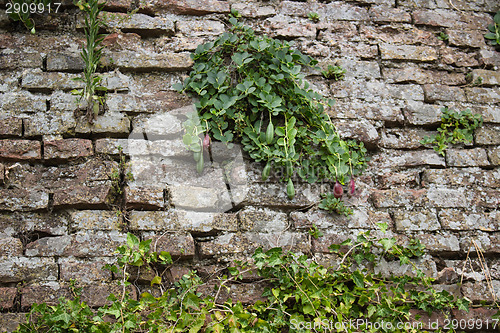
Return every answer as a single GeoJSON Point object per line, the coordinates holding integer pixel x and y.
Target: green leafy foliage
{"type": "Point", "coordinates": [300, 293]}
{"type": "Point", "coordinates": [21, 10]}
{"type": "Point", "coordinates": [456, 127]}
{"type": "Point", "coordinates": [333, 72]}
{"type": "Point", "coordinates": [92, 93]}
{"type": "Point", "coordinates": [494, 34]}
{"type": "Point", "coordinates": [313, 17]}
{"type": "Point", "coordinates": [315, 232]}
{"type": "Point", "coordinates": [250, 89]}
{"type": "Point", "coordinates": [330, 203]}
{"type": "Point", "coordinates": [443, 36]}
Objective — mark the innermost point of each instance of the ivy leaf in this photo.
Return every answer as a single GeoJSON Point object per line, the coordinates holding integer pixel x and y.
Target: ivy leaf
{"type": "Point", "coordinates": [358, 279]}
{"type": "Point", "coordinates": [156, 280]}
{"type": "Point", "coordinates": [383, 226]}
{"type": "Point", "coordinates": [388, 243]}
{"type": "Point", "coordinates": [64, 317]}
{"type": "Point", "coordinates": [132, 240]}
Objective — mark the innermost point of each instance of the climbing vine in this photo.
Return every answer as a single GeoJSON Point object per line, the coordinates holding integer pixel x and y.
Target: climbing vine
{"type": "Point", "coordinates": [301, 295]}
{"type": "Point", "coordinates": [250, 89]}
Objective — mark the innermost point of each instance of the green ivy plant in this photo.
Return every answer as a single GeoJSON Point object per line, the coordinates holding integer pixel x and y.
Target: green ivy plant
{"type": "Point", "coordinates": [456, 127]}
{"type": "Point", "coordinates": [250, 89]}
{"type": "Point", "coordinates": [299, 293]}
{"type": "Point", "coordinates": [494, 34]}
{"type": "Point", "coordinates": [92, 94]}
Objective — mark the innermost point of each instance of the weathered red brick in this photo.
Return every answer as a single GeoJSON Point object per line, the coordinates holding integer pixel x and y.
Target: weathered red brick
{"type": "Point", "coordinates": [247, 293]}
{"type": "Point", "coordinates": [48, 246]}
{"type": "Point", "coordinates": [449, 18]}
{"type": "Point", "coordinates": [467, 157]}
{"type": "Point", "coordinates": [94, 244]}
{"type": "Point", "coordinates": [20, 149]}
{"type": "Point", "coordinates": [400, 197]}
{"type": "Point", "coordinates": [482, 95]}
{"type": "Point", "coordinates": [461, 177]}
{"type": "Point", "coordinates": [23, 200]}
{"type": "Point", "coordinates": [439, 243]}
{"type": "Point", "coordinates": [408, 52]}
{"type": "Point", "coordinates": [96, 295]}
{"type": "Point", "coordinates": [144, 197]}
{"type": "Point", "coordinates": [95, 220]}
{"type": "Point", "coordinates": [17, 269]}
{"type": "Point", "coordinates": [37, 80]}
{"type": "Point", "coordinates": [187, 7]}
{"type": "Point", "coordinates": [83, 271]}
{"type": "Point", "coordinates": [480, 291]}
{"type": "Point", "coordinates": [97, 197]}
{"type": "Point", "coordinates": [64, 62]}
{"type": "Point", "coordinates": [10, 247]}
{"type": "Point", "coordinates": [15, 61]}
{"type": "Point", "coordinates": [247, 243]}
{"type": "Point", "coordinates": [451, 56]}
{"type": "Point", "coordinates": [408, 178]}
{"type": "Point", "coordinates": [384, 13]}
{"type": "Point", "coordinates": [466, 38]}
{"type": "Point", "coordinates": [7, 295]}
{"type": "Point", "coordinates": [11, 127]}
{"type": "Point", "coordinates": [15, 223]}
{"type": "Point", "coordinates": [148, 61]}
{"type": "Point", "coordinates": [476, 318]}
{"type": "Point", "coordinates": [177, 272]}
{"type": "Point", "coordinates": [93, 171]}
{"type": "Point", "coordinates": [438, 92]}
{"type": "Point", "coordinates": [178, 244]}
{"type": "Point", "coordinates": [10, 321]}
{"type": "Point", "coordinates": [67, 149]}
{"type": "Point", "coordinates": [49, 294]}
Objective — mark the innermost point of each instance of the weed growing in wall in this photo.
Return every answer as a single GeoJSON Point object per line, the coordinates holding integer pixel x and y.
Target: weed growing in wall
{"type": "Point", "coordinates": [301, 294]}
{"type": "Point", "coordinates": [250, 89]}
{"type": "Point", "coordinates": [334, 73]}
{"type": "Point", "coordinates": [456, 127]}
{"type": "Point", "coordinates": [494, 34]}
{"type": "Point", "coordinates": [92, 94]}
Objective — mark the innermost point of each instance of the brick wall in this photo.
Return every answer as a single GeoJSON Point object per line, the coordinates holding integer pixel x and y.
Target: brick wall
{"type": "Point", "coordinates": [58, 217]}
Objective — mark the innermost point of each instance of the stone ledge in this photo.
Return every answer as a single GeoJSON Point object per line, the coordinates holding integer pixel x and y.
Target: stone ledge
{"type": "Point", "coordinates": [20, 149]}
{"type": "Point", "coordinates": [23, 200]}
{"type": "Point", "coordinates": [66, 149]}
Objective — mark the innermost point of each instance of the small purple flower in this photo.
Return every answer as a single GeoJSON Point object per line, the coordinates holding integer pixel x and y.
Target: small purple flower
{"type": "Point", "coordinates": [206, 141]}
{"type": "Point", "coordinates": [338, 190]}
{"type": "Point", "coordinates": [352, 187]}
